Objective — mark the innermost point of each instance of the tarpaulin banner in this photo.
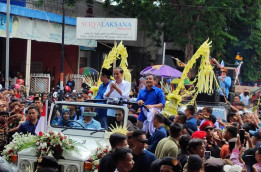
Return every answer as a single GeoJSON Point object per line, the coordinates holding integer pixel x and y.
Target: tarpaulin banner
{"type": "Point", "coordinates": [43, 31]}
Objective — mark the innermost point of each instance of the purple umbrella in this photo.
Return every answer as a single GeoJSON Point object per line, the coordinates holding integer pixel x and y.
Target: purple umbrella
{"type": "Point", "coordinates": [164, 71]}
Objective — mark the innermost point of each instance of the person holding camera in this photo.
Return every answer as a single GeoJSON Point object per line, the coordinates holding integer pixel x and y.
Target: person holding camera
{"type": "Point", "coordinates": [211, 146]}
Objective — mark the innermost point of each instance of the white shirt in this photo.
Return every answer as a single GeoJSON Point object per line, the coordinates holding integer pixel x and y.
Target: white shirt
{"type": "Point", "coordinates": [124, 86]}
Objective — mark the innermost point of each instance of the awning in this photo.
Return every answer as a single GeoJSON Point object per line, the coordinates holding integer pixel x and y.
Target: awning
{"type": "Point", "coordinates": [40, 30]}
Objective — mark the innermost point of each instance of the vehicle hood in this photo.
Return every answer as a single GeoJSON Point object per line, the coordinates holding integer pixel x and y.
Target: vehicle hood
{"type": "Point", "coordinates": [84, 148]}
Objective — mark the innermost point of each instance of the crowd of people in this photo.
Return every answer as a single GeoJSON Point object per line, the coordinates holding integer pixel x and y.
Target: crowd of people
{"type": "Point", "coordinates": [193, 141]}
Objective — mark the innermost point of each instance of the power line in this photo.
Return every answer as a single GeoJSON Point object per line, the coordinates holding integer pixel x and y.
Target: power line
{"type": "Point", "coordinates": [209, 7]}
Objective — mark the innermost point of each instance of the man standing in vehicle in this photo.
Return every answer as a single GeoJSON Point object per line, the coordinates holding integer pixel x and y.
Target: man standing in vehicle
{"type": "Point", "coordinates": [105, 79]}
{"type": "Point", "coordinates": [151, 96]}
{"type": "Point", "coordinates": [116, 89]}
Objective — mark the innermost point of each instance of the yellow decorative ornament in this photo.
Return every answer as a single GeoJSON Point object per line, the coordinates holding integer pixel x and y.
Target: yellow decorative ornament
{"type": "Point", "coordinates": [204, 80]}
{"type": "Point", "coordinates": [118, 129]}
{"type": "Point", "coordinates": [117, 52]}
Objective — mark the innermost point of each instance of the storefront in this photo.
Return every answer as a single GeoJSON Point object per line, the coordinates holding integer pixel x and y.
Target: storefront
{"type": "Point", "coordinates": [35, 41]}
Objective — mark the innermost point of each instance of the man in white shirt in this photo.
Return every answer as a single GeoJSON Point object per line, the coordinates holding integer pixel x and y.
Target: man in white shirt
{"type": "Point", "coordinates": [118, 88]}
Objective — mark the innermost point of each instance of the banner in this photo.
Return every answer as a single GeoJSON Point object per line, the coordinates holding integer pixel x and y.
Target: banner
{"type": "Point", "coordinates": [107, 28]}
{"type": "Point", "coordinates": [43, 31]}
{"type": "Point", "coordinates": [3, 23]}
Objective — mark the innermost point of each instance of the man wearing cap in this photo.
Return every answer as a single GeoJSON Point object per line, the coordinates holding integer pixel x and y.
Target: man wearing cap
{"type": "Point", "coordinates": [169, 164]}
{"type": "Point", "coordinates": [119, 89]}
{"type": "Point", "coordinates": [3, 135]}
{"type": "Point", "coordinates": [244, 97]}
{"type": "Point", "coordinates": [194, 163]}
{"type": "Point", "coordinates": [79, 110]}
{"type": "Point", "coordinates": [105, 79]}
{"type": "Point", "coordinates": [88, 122]}
{"type": "Point", "coordinates": [214, 165]}
{"type": "Point", "coordinates": [68, 97]}
{"type": "Point", "coordinates": [211, 146]}
{"type": "Point", "coordinates": [79, 98]}
{"type": "Point", "coordinates": [38, 104]}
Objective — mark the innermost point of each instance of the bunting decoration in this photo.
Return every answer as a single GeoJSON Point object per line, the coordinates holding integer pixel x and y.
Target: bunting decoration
{"type": "Point", "coordinates": [204, 80]}
{"type": "Point", "coordinates": [118, 52]}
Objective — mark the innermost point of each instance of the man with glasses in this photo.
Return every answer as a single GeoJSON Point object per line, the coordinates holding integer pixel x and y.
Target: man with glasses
{"type": "Point", "coordinates": [225, 83]}
{"type": "Point", "coordinates": [141, 157]}
{"type": "Point", "coordinates": [211, 146]}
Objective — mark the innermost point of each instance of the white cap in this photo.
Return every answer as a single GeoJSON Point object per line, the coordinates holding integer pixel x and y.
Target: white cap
{"type": "Point", "coordinates": [232, 168]}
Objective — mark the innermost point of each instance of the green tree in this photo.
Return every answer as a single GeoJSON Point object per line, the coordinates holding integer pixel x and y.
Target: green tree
{"type": "Point", "coordinates": [231, 25]}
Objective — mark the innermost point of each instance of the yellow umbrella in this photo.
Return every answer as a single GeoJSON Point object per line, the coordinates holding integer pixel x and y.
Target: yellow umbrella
{"type": "Point", "coordinates": [175, 81]}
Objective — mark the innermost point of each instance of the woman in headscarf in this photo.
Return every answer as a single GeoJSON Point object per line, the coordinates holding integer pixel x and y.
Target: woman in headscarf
{"type": "Point", "coordinates": [64, 119]}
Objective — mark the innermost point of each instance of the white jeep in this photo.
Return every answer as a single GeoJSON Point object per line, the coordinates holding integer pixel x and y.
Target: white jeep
{"type": "Point", "coordinates": [87, 138]}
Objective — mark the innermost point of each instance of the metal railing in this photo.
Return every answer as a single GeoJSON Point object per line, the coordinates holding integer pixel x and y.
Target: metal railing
{"type": "Point", "coordinates": [40, 83]}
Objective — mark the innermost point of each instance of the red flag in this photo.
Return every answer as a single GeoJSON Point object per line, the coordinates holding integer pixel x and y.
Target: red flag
{"type": "Point", "coordinates": [42, 123]}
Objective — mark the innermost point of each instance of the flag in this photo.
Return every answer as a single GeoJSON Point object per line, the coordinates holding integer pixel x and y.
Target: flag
{"type": "Point", "coordinates": [238, 69]}
{"type": "Point", "coordinates": [179, 63]}
{"type": "Point", "coordinates": [222, 64]}
{"type": "Point", "coordinates": [42, 123]}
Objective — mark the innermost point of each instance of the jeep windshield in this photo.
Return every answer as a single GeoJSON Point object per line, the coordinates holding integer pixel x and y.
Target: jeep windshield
{"type": "Point", "coordinates": [219, 110]}
{"type": "Point", "coordinates": [78, 116]}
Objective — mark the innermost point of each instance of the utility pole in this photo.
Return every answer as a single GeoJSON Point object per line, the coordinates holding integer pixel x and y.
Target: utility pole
{"type": "Point", "coordinates": [164, 53]}
{"type": "Point", "coordinates": [7, 45]}
{"type": "Point", "coordinates": [62, 54]}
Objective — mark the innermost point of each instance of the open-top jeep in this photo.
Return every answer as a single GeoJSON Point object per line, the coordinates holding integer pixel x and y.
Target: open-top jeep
{"type": "Point", "coordinates": [87, 137]}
